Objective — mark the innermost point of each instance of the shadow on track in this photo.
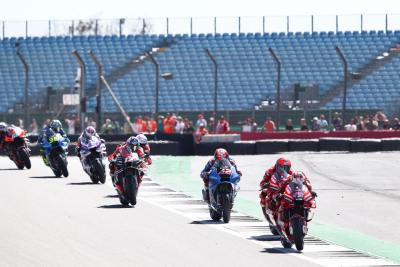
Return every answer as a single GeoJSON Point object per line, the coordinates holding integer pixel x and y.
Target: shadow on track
{"type": "Point", "coordinates": [280, 251]}
{"type": "Point", "coordinates": [114, 206]}
{"type": "Point", "coordinates": [10, 169]}
{"type": "Point", "coordinates": [111, 196]}
{"type": "Point", "coordinates": [207, 222]}
{"type": "Point", "coordinates": [266, 238]}
{"type": "Point", "coordinates": [45, 177]}
{"type": "Point", "coordinates": [81, 183]}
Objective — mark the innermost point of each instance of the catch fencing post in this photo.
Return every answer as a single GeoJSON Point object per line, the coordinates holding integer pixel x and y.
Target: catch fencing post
{"type": "Point", "coordinates": [278, 86]}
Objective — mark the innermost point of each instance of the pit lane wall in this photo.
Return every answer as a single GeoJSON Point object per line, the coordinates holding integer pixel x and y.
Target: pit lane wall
{"type": "Point", "coordinates": [257, 143]}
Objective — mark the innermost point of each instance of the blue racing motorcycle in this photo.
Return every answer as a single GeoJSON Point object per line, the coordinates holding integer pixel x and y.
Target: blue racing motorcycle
{"type": "Point", "coordinates": [56, 151]}
{"type": "Point", "coordinates": [223, 187]}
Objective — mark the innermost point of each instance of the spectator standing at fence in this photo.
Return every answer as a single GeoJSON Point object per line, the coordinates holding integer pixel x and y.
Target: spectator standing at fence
{"type": "Point", "coordinates": [151, 124]}
{"type": "Point", "coordinates": [380, 118]}
{"type": "Point", "coordinates": [169, 124]}
{"type": "Point", "coordinates": [127, 128]}
{"type": "Point", "coordinates": [188, 126]}
{"type": "Point", "coordinates": [371, 124]}
{"type": "Point", "coordinates": [303, 124]}
{"type": "Point", "coordinates": [323, 124]}
{"type": "Point", "coordinates": [200, 132]}
{"type": "Point", "coordinates": [201, 120]}
{"type": "Point", "coordinates": [211, 125]}
{"type": "Point", "coordinates": [315, 126]}
{"type": "Point", "coordinates": [289, 125]}
{"type": "Point", "coordinates": [351, 126]}
{"type": "Point", "coordinates": [71, 124]}
{"type": "Point", "coordinates": [386, 125]}
{"type": "Point", "coordinates": [160, 124]}
{"type": "Point", "coordinates": [360, 123]}
{"type": "Point", "coordinates": [33, 128]}
{"type": "Point", "coordinates": [337, 122]}
{"type": "Point", "coordinates": [222, 126]}
{"type": "Point", "coordinates": [396, 124]}
{"type": "Point", "coordinates": [249, 125]}
{"type": "Point", "coordinates": [269, 125]}
{"type": "Point", "coordinates": [108, 127]}
{"type": "Point", "coordinates": [180, 125]}
{"type": "Point", "coordinates": [91, 122]}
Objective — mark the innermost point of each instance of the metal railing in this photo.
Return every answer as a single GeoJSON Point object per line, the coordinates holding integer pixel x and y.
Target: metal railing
{"type": "Point", "coordinates": [213, 25]}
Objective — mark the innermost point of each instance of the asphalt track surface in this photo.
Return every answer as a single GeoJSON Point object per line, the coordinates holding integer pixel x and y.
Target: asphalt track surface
{"type": "Point", "coordinates": [47, 221]}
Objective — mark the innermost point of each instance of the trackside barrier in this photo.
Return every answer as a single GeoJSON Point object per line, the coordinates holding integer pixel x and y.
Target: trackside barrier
{"type": "Point", "coordinates": [303, 145]}
{"type": "Point", "coordinates": [390, 144]}
{"type": "Point", "coordinates": [334, 144]}
{"type": "Point", "coordinates": [272, 146]}
{"type": "Point", "coordinates": [365, 145]}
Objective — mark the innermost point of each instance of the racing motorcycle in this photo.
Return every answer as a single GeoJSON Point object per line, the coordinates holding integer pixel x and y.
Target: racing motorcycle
{"type": "Point", "coordinates": [296, 211]}
{"type": "Point", "coordinates": [128, 173]}
{"type": "Point", "coordinates": [93, 153]}
{"type": "Point", "coordinates": [56, 151]}
{"type": "Point", "coordinates": [223, 187]}
{"type": "Point", "coordinates": [18, 148]}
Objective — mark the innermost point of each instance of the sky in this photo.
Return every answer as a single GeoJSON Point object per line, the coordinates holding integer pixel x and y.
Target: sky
{"type": "Point", "coordinates": [83, 9]}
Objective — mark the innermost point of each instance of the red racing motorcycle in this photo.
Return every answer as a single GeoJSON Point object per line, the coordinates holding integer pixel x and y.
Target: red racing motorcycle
{"type": "Point", "coordinates": [17, 147]}
{"type": "Point", "coordinates": [294, 213]}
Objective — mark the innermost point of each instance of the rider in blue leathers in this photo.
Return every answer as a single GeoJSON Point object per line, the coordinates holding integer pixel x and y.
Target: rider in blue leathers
{"type": "Point", "coordinates": [54, 127]}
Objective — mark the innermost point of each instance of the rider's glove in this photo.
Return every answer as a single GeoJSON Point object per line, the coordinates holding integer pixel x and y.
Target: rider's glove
{"type": "Point", "coordinates": [314, 194]}
{"type": "Point", "coordinates": [239, 172]}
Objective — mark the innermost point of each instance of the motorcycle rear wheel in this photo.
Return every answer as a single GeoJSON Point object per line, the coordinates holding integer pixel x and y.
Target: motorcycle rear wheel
{"type": "Point", "coordinates": [62, 165]}
{"type": "Point", "coordinates": [99, 172]}
{"type": "Point", "coordinates": [131, 188]}
{"type": "Point", "coordinates": [57, 173]}
{"type": "Point", "coordinates": [298, 234]}
{"type": "Point", "coordinates": [23, 154]}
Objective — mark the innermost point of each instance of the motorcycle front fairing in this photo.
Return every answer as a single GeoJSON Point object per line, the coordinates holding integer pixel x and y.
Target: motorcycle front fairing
{"type": "Point", "coordinates": [225, 184]}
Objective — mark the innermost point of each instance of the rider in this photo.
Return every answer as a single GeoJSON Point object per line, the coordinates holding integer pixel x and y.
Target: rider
{"type": "Point", "coordinates": [144, 144]}
{"type": "Point", "coordinates": [54, 127]}
{"type": "Point", "coordinates": [281, 167]}
{"type": "Point", "coordinates": [132, 145]}
{"type": "Point", "coordinates": [86, 136]}
{"type": "Point", "coordinates": [219, 154]}
{"type": "Point", "coordinates": [3, 131]}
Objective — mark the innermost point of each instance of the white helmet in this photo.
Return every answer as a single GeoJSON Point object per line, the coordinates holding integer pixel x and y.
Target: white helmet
{"type": "Point", "coordinates": [3, 127]}
{"type": "Point", "coordinates": [142, 139]}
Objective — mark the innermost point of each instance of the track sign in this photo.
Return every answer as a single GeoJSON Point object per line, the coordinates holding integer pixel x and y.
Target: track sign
{"type": "Point", "coordinates": [70, 99]}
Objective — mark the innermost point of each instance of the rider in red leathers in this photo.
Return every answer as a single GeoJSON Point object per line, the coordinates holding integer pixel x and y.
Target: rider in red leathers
{"type": "Point", "coordinates": [123, 151]}
{"type": "Point", "coordinates": [282, 166]}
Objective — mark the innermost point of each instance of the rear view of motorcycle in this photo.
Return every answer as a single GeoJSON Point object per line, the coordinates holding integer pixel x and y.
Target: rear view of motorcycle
{"type": "Point", "coordinates": [18, 148]}
{"type": "Point", "coordinates": [126, 178]}
{"type": "Point", "coordinates": [56, 151]}
{"type": "Point", "coordinates": [92, 156]}
{"type": "Point", "coordinates": [296, 210]}
{"type": "Point", "coordinates": [223, 187]}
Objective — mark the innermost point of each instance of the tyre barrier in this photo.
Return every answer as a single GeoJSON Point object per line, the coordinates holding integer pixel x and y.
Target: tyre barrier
{"type": "Point", "coordinates": [390, 144]}
{"type": "Point", "coordinates": [303, 145]}
{"type": "Point", "coordinates": [271, 146]}
{"type": "Point", "coordinates": [241, 147]}
{"type": "Point", "coordinates": [365, 145]}
{"type": "Point", "coordinates": [334, 144]}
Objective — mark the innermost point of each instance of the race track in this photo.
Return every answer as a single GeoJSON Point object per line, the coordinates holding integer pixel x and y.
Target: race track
{"type": "Point", "coordinates": [47, 221]}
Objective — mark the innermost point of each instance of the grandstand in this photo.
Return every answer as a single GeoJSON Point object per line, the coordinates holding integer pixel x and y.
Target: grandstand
{"type": "Point", "coordinates": [246, 70]}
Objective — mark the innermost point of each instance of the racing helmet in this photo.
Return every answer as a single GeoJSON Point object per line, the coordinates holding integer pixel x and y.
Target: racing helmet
{"type": "Point", "coordinates": [89, 132]}
{"type": "Point", "coordinates": [3, 127]}
{"type": "Point", "coordinates": [283, 165]}
{"type": "Point", "coordinates": [55, 125]}
{"type": "Point", "coordinates": [142, 139]}
{"type": "Point", "coordinates": [133, 142]}
{"type": "Point", "coordinates": [220, 153]}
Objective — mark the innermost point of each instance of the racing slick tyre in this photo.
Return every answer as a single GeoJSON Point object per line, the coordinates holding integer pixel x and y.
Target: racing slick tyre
{"type": "Point", "coordinates": [131, 188]}
{"type": "Point", "coordinates": [226, 208]}
{"type": "Point", "coordinates": [298, 234]}
{"type": "Point", "coordinates": [215, 215]}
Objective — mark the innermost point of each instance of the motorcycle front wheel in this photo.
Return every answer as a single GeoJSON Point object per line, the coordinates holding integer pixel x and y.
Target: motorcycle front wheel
{"type": "Point", "coordinates": [61, 162]}
{"type": "Point", "coordinates": [298, 235]}
{"type": "Point", "coordinates": [24, 156]}
{"type": "Point", "coordinates": [99, 172]}
{"type": "Point", "coordinates": [131, 188]}
{"type": "Point", "coordinates": [226, 208]}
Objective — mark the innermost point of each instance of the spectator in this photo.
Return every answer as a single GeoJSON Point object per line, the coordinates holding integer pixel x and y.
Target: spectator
{"type": "Point", "coordinates": [211, 125]}
{"type": "Point", "coordinates": [249, 126]}
{"type": "Point", "coordinates": [91, 122]}
{"type": "Point", "coordinates": [151, 124]}
{"type": "Point", "coordinates": [386, 125]}
{"type": "Point", "coordinates": [169, 124]}
{"type": "Point", "coordinates": [269, 125]}
{"type": "Point", "coordinates": [337, 122]}
{"type": "Point", "coordinates": [222, 126]}
{"type": "Point", "coordinates": [71, 124]}
{"type": "Point", "coordinates": [360, 123]}
{"type": "Point", "coordinates": [108, 127]}
{"type": "Point", "coordinates": [380, 118]}
{"type": "Point", "coordinates": [33, 128]}
{"type": "Point", "coordinates": [20, 123]}
{"type": "Point", "coordinates": [180, 125]}
{"type": "Point", "coordinates": [315, 126]}
{"type": "Point", "coordinates": [303, 125]}
{"type": "Point", "coordinates": [188, 126]}
{"type": "Point", "coordinates": [371, 124]}
{"type": "Point", "coordinates": [352, 126]}
{"type": "Point", "coordinates": [396, 124]}
{"type": "Point", "coordinates": [200, 132]}
{"type": "Point", "coordinates": [201, 120]}
{"type": "Point", "coordinates": [323, 124]}
{"type": "Point", "coordinates": [289, 125]}
{"type": "Point", "coordinates": [127, 128]}
{"type": "Point", "coordinates": [160, 123]}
